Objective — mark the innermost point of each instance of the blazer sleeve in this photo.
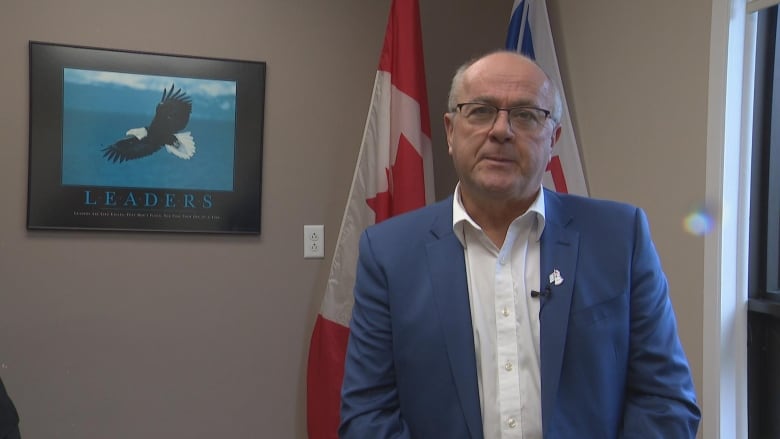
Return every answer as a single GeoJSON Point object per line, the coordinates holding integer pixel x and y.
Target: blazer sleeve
{"type": "Point", "coordinates": [660, 400]}
{"type": "Point", "coordinates": [370, 405]}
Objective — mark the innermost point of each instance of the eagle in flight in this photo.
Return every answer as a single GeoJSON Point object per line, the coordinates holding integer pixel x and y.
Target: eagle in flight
{"type": "Point", "coordinates": [172, 115]}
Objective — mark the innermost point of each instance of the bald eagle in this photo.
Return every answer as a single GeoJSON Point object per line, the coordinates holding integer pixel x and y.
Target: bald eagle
{"type": "Point", "coordinates": [172, 115]}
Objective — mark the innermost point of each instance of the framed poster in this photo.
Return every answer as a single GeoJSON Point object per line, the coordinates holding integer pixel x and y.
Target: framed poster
{"type": "Point", "coordinates": [134, 141]}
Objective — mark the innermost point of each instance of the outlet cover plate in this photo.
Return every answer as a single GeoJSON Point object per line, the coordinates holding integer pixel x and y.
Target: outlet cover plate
{"type": "Point", "coordinates": [313, 241]}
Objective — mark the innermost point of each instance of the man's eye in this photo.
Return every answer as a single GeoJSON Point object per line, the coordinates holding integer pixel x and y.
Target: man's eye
{"type": "Point", "coordinates": [525, 115]}
{"type": "Point", "coordinates": [481, 111]}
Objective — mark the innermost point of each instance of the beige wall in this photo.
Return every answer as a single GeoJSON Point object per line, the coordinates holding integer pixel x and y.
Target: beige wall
{"type": "Point", "coordinates": [157, 335]}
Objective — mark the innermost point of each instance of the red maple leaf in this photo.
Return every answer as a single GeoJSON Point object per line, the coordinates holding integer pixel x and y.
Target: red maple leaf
{"type": "Point", "coordinates": [405, 184]}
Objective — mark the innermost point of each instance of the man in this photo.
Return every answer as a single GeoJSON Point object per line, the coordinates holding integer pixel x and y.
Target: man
{"type": "Point", "coordinates": [9, 419]}
{"type": "Point", "coordinates": [508, 310]}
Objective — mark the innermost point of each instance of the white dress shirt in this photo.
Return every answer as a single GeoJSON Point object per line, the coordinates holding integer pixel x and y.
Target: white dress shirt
{"type": "Point", "coordinates": [505, 319]}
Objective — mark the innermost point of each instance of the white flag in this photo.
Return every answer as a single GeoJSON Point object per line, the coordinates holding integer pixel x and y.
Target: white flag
{"type": "Point", "coordinates": [529, 33]}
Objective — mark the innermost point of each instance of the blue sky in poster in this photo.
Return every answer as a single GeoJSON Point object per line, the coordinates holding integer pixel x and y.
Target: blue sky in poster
{"type": "Point", "coordinates": [99, 107]}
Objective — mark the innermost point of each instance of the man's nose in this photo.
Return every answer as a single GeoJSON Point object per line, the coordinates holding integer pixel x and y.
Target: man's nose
{"type": "Point", "coordinates": [502, 127]}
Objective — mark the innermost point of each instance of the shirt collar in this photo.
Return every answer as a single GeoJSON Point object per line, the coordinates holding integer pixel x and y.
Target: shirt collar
{"type": "Point", "coordinates": [460, 217]}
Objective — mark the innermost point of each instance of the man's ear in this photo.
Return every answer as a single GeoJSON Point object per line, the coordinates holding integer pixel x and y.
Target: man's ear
{"type": "Point", "coordinates": [556, 136]}
{"type": "Point", "coordinates": [448, 127]}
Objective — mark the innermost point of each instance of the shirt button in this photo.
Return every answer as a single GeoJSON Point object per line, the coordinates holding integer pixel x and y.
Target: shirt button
{"type": "Point", "coordinates": [505, 312]}
{"type": "Point", "coordinates": [508, 366]}
{"type": "Point", "coordinates": [511, 423]}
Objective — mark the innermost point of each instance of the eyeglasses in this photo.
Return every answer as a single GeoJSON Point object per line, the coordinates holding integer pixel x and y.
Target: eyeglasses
{"type": "Point", "coordinates": [525, 118]}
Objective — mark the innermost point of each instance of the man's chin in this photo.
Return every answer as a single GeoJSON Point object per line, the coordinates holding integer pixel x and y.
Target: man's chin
{"type": "Point", "coordinates": [507, 189]}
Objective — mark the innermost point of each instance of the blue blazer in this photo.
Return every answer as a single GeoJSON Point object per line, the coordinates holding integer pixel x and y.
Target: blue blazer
{"type": "Point", "coordinates": [611, 361]}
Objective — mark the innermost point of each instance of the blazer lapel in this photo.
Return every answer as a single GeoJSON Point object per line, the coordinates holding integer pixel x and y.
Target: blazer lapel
{"type": "Point", "coordinates": [559, 247]}
{"type": "Point", "coordinates": [450, 291]}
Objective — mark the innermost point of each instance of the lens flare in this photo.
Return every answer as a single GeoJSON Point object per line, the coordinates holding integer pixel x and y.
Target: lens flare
{"type": "Point", "coordinates": [699, 222]}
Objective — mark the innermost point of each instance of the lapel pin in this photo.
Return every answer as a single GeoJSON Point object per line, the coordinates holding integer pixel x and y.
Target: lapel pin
{"type": "Point", "coordinates": [555, 277]}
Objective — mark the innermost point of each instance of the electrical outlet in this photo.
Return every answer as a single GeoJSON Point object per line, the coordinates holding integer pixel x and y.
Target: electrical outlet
{"type": "Point", "coordinates": [314, 241]}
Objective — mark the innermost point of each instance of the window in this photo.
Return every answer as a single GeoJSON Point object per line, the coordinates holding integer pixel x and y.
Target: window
{"type": "Point", "coordinates": [764, 247]}
{"type": "Point", "coordinates": [765, 185]}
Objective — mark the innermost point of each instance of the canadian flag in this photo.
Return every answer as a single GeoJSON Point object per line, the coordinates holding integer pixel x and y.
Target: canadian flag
{"type": "Point", "coordinates": [393, 175]}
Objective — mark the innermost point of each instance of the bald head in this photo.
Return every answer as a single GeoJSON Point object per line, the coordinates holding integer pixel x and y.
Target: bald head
{"type": "Point", "coordinates": [508, 64]}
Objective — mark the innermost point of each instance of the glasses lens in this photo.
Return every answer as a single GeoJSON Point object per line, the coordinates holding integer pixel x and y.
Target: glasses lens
{"type": "Point", "coordinates": [479, 113]}
{"type": "Point", "coordinates": [527, 118]}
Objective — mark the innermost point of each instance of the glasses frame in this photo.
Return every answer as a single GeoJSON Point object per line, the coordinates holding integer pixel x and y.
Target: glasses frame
{"type": "Point", "coordinates": [547, 113]}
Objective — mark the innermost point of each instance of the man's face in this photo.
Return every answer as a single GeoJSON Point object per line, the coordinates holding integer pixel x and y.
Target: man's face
{"type": "Point", "coordinates": [501, 161]}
